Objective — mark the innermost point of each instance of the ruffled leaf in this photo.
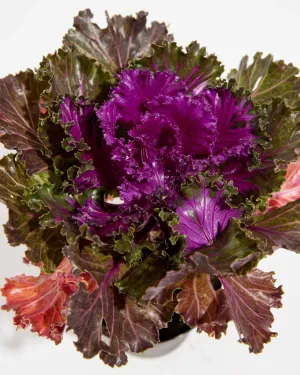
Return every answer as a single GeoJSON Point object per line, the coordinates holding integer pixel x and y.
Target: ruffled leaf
{"type": "Point", "coordinates": [235, 125]}
{"type": "Point", "coordinates": [105, 219]}
{"type": "Point", "coordinates": [127, 324]}
{"type": "Point", "coordinates": [278, 228]}
{"type": "Point", "coordinates": [233, 252]}
{"type": "Point", "coordinates": [74, 74]}
{"type": "Point", "coordinates": [57, 210]}
{"type": "Point", "coordinates": [92, 261]}
{"type": "Point", "coordinates": [195, 67]}
{"type": "Point", "coordinates": [266, 79]}
{"type": "Point", "coordinates": [128, 101]}
{"type": "Point", "coordinates": [163, 292]}
{"type": "Point", "coordinates": [249, 300]}
{"type": "Point", "coordinates": [290, 189]}
{"type": "Point", "coordinates": [281, 126]}
{"type": "Point", "coordinates": [124, 39]}
{"type": "Point", "coordinates": [195, 298]}
{"type": "Point", "coordinates": [148, 273]}
{"type": "Point", "coordinates": [19, 117]}
{"type": "Point", "coordinates": [42, 301]}
{"type": "Point", "coordinates": [23, 226]}
{"type": "Point", "coordinates": [85, 136]}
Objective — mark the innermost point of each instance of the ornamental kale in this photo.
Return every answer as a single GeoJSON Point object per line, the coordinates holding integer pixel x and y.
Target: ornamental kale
{"type": "Point", "coordinates": [147, 188]}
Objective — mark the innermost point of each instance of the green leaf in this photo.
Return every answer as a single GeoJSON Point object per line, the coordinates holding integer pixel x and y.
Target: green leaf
{"type": "Point", "coordinates": [74, 74]}
{"type": "Point", "coordinates": [124, 39]}
{"type": "Point", "coordinates": [233, 252]}
{"type": "Point", "coordinates": [86, 259]}
{"type": "Point", "coordinates": [194, 66]}
{"type": "Point", "coordinates": [146, 274]}
{"type": "Point", "coordinates": [45, 245]}
{"type": "Point", "coordinates": [52, 135]}
{"type": "Point", "coordinates": [19, 117]}
{"type": "Point", "coordinates": [277, 228]}
{"type": "Point", "coordinates": [61, 207]}
{"type": "Point", "coordinates": [281, 126]}
{"type": "Point", "coordinates": [266, 79]}
{"type": "Point", "coordinates": [23, 226]}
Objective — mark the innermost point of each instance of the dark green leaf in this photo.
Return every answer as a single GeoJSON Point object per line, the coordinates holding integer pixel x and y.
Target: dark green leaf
{"type": "Point", "coordinates": [23, 225]}
{"type": "Point", "coordinates": [86, 259]}
{"type": "Point", "coordinates": [266, 79]}
{"type": "Point", "coordinates": [59, 209]}
{"type": "Point", "coordinates": [278, 228]}
{"type": "Point", "coordinates": [281, 125]}
{"type": "Point", "coordinates": [233, 252]}
{"type": "Point", "coordinates": [194, 66]}
{"type": "Point", "coordinates": [74, 74]}
{"type": "Point", "coordinates": [146, 274]}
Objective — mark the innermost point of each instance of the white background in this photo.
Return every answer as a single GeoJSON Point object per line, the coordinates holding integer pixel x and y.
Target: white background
{"type": "Point", "coordinates": [30, 29]}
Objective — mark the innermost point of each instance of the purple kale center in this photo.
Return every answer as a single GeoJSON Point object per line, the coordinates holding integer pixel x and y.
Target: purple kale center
{"type": "Point", "coordinates": [148, 139]}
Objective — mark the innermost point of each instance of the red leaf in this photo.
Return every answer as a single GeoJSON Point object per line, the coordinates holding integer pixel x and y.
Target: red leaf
{"type": "Point", "coordinates": [290, 189]}
{"type": "Point", "coordinates": [43, 301]}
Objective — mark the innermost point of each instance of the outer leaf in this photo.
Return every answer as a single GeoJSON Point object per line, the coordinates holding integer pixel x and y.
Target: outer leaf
{"type": "Point", "coordinates": [124, 39]}
{"type": "Point", "coordinates": [23, 224]}
{"type": "Point", "coordinates": [266, 79]}
{"type": "Point", "coordinates": [278, 228]}
{"type": "Point", "coordinates": [249, 300]}
{"type": "Point", "coordinates": [163, 292]}
{"type": "Point", "coordinates": [290, 189]}
{"type": "Point", "coordinates": [19, 116]}
{"type": "Point", "coordinates": [214, 321]}
{"type": "Point", "coordinates": [52, 134]}
{"type": "Point", "coordinates": [61, 205]}
{"type": "Point", "coordinates": [128, 325]}
{"type": "Point", "coordinates": [45, 245]}
{"type": "Point", "coordinates": [233, 252]}
{"type": "Point", "coordinates": [59, 208]}
{"type": "Point", "coordinates": [148, 273]}
{"type": "Point", "coordinates": [195, 298]}
{"type": "Point", "coordinates": [42, 301]}
{"type": "Point", "coordinates": [194, 67]}
{"type": "Point", "coordinates": [74, 74]}
{"type": "Point", "coordinates": [282, 126]}
{"type": "Point", "coordinates": [97, 264]}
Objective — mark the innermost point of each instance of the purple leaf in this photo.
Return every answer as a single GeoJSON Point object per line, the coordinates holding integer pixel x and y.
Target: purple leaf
{"type": "Point", "coordinates": [81, 122]}
{"type": "Point", "coordinates": [249, 300]}
{"type": "Point", "coordinates": [203, 214]}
